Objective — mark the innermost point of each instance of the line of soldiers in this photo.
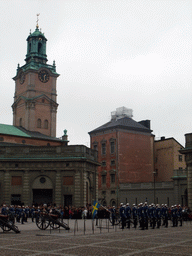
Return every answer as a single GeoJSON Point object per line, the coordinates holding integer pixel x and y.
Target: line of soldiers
{"type": "Point", "coordinates": [22, 213]}
{"type": "Point", "coordinates": [152, 215]}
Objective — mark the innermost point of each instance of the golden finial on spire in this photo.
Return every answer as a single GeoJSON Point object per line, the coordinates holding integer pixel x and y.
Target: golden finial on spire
{"type": "Point", "coordinates": [37, 26]}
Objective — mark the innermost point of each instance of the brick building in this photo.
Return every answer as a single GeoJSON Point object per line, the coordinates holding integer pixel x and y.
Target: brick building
{"type": "Point", "coordinates": [135, 168]}
{"type": "Point", "coordinates": [35, 166]}
{"type": "Point", "coordinates": [125, 151]}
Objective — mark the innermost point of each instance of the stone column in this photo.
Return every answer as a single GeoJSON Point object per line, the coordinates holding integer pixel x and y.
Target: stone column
{"type": "Point", "coordinates": [77, 189]}
{"type": "Point", "coordinates": [58, 196]}
{"type": "Point", "coordinates": [26, 189]}
{"type": "Point", "coordinates": [84, 179]}
{"type": "Point", "coordinates": [176, 192]}
{"type": "Point", "coordinates": [189, 186]}
{"type": "Point", "coordinates": [7, 184]}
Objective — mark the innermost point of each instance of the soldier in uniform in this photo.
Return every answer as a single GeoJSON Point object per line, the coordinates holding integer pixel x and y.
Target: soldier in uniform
{"type": "Point", "coordinates": [173, 215]}
{"type": "Point", "coordinates": [153, 215]}
{"type": "Point", "coordinates": [158, 215]}
{"type": "Point", "coordinates": [179, 214]}
{"type": "Point", "coordinates": [134, 214]}
{"type": "Point", "coordinates": [146, 216]}
{"type": "Point", "coordinates": [122, 215]}
{"type": "Point", "coordinates": [166, 213]}
{"type": "Point", "coordinates": [4, 210]}
{"type": "Point", "coordinates": [128, 215]}
{"type": "Point", "coordinates": [113, 215]}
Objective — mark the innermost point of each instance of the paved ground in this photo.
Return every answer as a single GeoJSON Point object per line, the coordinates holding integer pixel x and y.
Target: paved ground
{"type": "Point", "coordinates": [83, 240]}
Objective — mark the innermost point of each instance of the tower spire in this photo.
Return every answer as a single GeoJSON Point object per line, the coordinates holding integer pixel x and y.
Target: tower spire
{"type": "Point", "coordinates": [37, 26]}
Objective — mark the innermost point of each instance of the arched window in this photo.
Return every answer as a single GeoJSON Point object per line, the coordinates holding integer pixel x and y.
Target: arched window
{"type": "Point", "coordinates": [29, 47]}
{"type": "Point", "coordinates": [46, 124]}
{"type": "Point", "coordinates": [20, 122]}
{"type": "Point", "coordinates": [40, 48]}
{"type": "Point", "coordinates": [39, 123]}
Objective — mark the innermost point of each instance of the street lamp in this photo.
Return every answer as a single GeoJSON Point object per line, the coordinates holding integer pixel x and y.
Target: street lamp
{"type": "Point", "coordinates": [154, 191]}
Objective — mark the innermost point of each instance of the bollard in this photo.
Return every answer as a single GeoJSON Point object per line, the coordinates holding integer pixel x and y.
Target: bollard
{"type": "Point", "coordinates": [93, 226]}
{"type": "Point", "coordinates": [68, 225]}
{"type": "Point", "coordinates": [84, 226]}
{"type": "Point", "coordinates": [75, 226]}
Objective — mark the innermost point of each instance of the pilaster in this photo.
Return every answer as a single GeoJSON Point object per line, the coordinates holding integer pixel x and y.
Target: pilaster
{"type": "Point", "coordinates": [58, 188]}
{"type": "Point", "coordinates": [77, 189]}
{"type": "Point", "coordinates": [7, 185]}
{"type": "Point", "coordinates": [26, 188]}
{"type": "Point", "coordinates": [189, 185]}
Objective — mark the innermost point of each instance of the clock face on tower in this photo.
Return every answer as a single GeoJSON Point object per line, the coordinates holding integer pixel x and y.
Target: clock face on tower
{"type": "Point", "coordinates": [43, 76]}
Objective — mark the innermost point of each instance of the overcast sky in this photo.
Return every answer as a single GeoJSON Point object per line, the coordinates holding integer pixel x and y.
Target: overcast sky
{"type": "Point", "coordinates": [109, 54]}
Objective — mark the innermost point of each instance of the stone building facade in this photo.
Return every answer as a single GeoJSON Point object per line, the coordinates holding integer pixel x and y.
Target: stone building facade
{"type": "Point", "coordinates": [64, 175]}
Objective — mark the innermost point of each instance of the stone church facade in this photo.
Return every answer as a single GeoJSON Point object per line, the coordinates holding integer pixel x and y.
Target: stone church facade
{"type": "Point", "coordinates": [35, 166]}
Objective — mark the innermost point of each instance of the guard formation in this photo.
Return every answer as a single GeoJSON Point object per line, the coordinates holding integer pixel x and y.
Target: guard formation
{"type": "Point", "coordinates": [44, 217]}
{"type": "Point", "coordinates": [146, 216]}
{"type": "Point", "coordinates": [143, 215]}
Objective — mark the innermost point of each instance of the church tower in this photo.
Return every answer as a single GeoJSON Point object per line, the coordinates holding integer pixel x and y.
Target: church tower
{"type": "Point", "coordinates": [35, 100]}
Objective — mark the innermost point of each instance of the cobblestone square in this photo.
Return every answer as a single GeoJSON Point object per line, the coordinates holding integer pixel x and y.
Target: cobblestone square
{"type": "Point", "coordinates": [107, 240]}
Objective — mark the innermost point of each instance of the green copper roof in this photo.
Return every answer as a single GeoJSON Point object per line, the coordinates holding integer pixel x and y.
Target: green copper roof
{"type": "Point", "coordinates": [12, 130]}
{"type": "Point", "coordinates": [37, 32]}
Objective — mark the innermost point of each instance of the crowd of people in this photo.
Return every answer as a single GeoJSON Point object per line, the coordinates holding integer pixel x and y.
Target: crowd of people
{"type": "Point", "coordinates": [143, 215]}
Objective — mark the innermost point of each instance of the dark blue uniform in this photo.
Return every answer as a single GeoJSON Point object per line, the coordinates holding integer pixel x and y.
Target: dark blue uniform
{"type": "Point", "coordinates": [122, 215]}
{"type": "Point", "coordinates": [128, 215]}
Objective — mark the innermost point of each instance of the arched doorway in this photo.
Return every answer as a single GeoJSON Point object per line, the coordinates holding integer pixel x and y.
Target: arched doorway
{"type": "Point", "coordinates": [42, 189]}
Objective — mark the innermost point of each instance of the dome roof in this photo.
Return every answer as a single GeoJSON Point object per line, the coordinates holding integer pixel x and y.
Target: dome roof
{"type": "Point", "coordinates": [36, 33]}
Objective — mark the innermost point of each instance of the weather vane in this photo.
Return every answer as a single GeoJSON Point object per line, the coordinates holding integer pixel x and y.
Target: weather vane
{"type": "Point", "coordinates": [37, 26]}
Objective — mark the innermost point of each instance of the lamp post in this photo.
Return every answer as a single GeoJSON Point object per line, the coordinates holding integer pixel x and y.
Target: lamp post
{"type": "Point", "coordinates": [154, 191]}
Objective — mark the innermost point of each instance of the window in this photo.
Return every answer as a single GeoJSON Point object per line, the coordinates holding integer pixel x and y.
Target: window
{"type": "Point", "coordinates": [16, 181]}
{"type": "Point", "coordinates": [20, 122]}
{"type": "Point", "coordinates": [39, 123]}
{"type": "Point", "coordinates": [112, 147]}
{"type": "Point", "coordinates": [46, 124]}
{"type": "Point", "coordinates": [103, 148]}
{"type": "Point", "coordinates": [103, 163]}
{"type": "Point", "coordinates": [29, 47]}
{"type": "Point", "coordinates": [40, 48]}
{"type": "Point", "coordinates": [113, 162]}
{"type": "Point", "coordinates": [68, 180]}
{"type": "Point", "coordinates": [112, 178]}
{"type": "Point", "coordinates": [95, 143]}
{"type": "Point", "coordinates": [103, 179]}
{"type": "Point", "coordinates": [112, 192]}
{"type": "Point", "coordinates": [180, 158]}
